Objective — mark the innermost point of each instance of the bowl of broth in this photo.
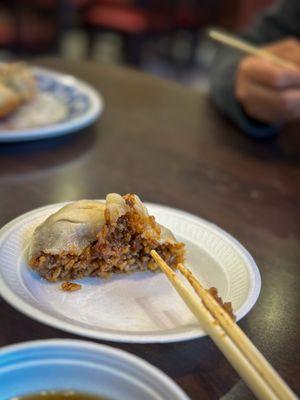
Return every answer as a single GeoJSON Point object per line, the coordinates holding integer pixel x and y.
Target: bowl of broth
{"type": "Point", "coordinates": [59, 395]}
{"type": "Point", "coordinates": [80, 370]}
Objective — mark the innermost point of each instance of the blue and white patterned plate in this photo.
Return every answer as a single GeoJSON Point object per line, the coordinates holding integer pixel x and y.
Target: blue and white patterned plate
{"type": "Point", "coordinates": [64, 104]}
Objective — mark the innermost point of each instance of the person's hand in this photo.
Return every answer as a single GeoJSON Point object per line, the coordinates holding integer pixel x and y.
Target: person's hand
{"type": "Point", "coordinates": [266, 91]}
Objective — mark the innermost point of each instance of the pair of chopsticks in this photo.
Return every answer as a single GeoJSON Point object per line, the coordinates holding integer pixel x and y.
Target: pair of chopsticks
{"type": "Point", "coordinates": [251, 365]}
{"type": "Point", "coordinates": [249, 48]}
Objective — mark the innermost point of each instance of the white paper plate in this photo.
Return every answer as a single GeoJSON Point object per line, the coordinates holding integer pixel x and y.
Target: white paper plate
{"type": "Point", "coordinates": [82, 366]}
{"type": "Point", "coordinates": [63, 104]}
{"type": "Point", "coordinates": [141, 307]}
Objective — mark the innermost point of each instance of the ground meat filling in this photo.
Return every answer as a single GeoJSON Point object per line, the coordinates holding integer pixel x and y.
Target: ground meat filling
{"type": "Point", "coordinates": [121, 246]}
{"type": "Point", "coordinates": [226, 306]}
{"type": "Point", "coordinates": [125, 246]}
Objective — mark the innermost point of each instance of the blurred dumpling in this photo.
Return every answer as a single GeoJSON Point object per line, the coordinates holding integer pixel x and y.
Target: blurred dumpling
{"type": "Point", "coordinates": [9, 101]}
{"type": "Point", "coordinates": [19, 78]}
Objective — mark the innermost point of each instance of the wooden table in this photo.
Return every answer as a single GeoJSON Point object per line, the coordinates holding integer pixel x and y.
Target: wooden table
{"type": "Point", "coordinates": [168, 144]}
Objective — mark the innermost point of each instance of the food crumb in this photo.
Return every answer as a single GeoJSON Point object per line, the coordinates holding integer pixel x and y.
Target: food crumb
{"type": "Point", "coordinates": [70, 286]}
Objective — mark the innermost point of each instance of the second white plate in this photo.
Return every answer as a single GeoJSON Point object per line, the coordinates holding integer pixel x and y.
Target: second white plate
{"type": "Point", "coordinates": [63, 104]}
{"type": "Point", "coordinates": [138, 308]}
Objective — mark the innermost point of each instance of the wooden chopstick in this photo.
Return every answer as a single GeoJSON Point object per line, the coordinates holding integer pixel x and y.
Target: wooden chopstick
{"type": "Point", "coordinates": [238, 336]}
{"type": "Point", "coordinates": [221, 328]}
{"type": "Point", "coordinates": [249, 48]}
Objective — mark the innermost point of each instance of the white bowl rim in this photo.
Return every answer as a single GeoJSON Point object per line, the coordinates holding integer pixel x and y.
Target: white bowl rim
{"type": "Point", "coordinates": [139, 363]}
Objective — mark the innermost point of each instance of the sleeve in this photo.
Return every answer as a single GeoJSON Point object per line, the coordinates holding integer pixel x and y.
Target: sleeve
{"type": "Point", "coordinates": [279, 22]}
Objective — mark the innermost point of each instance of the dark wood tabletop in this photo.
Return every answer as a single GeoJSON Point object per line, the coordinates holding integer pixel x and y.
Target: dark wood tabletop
{"type": "Point", "coordinates": [168, 144]}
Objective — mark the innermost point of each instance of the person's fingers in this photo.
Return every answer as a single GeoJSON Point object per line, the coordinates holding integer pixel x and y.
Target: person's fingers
{"type": "Point", "coordinates": [263, 71]}
{"type": "Point", "coordinates": [288, 49]}
{"type": "Point", "coordinates": [291, 103]}
{"type": "Point", "coordinates": [283, 44]}
{"type": "Point", "coordinates": [269, 92]}
{"type": "Point", "coordinates": [269, 105]}
{"type": "Point", "coordinates": [259, 102]}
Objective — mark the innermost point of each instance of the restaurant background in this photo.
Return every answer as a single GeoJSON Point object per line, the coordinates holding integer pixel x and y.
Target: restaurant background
{"type": "Point", "coordinates": [165, 38]}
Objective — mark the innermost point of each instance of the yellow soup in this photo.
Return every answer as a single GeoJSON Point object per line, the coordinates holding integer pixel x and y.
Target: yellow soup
{"type": "Point", "coordinates": [53, 395]}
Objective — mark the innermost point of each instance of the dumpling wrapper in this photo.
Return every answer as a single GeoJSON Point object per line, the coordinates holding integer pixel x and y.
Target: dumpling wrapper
{"type": "Point", "coordinates": [71, 229]}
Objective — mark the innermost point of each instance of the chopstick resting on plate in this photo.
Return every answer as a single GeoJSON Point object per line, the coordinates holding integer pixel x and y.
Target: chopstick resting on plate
{"type": "Point", "coordinates": [251, 365]}
{"type": "Point", "coordinates": [249, 48]}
